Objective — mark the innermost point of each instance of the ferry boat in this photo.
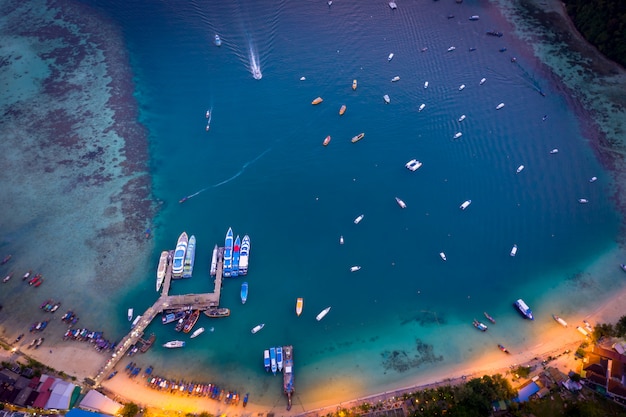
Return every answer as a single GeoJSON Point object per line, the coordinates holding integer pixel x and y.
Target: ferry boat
{"type": "Point", "coordinates": [465, 204]}
{"type": "Point", "coordinates": [161, 269]}
{"type": "Point", "coordinates": [326, 140]}
{"type": "Point", "coordinates": [513, 250]}
{"type": "Point", "coordinates": [421, 107]}
{"type": "Point", "coordinates": [273, 364]}
{"type": "Point", "coordinates": [480, 326]}
{"type": "Point", "coordinates": [524, 309]}
{"type": "Point", "coordinates": [216, 313]}
{"type": "Point", "coordinates": [386, 99]}
{"type": "Point", "coordinates": [130, 314]}
{"type": "Point", "coordinates": [236, 257]}
{"type": "Point", "coordinates": [279, 358]}
{"type": "Point", "coordinates": [197, 332]}
{"type": "Point", "coordinates": [355, 268]}
{"type": "Point", "coordinates": [358, 137]}
{"type": "Point", "coordinates": [213, 270]}
{"type": "Point", "coordinates": [354, 84]}
{"type": "Point", "coordinates": [244, 292]}
{"type": "Point", "coordinates": [559, 320]}
{"type": "Point", "coordinates": [359, 218]}
{"type": "Point", "coordinates": [491, 319]}
{"type": "Point", "coordinates": [191, 321]}
{"type": "Point", "coordinates": [299, 306]}
{"type": "Point", "coordinates": [413, 165]}
{"type": "Point", "coordinates": [190, 256]}
{"type": "Point", "coordinates": [499, 106]}
{"type": "Point", "coordinates": [228, 253]}
{"type": "Point", "coordinates": [318, 100]}
{"type": "Point", "coordinates": [218, 41]}
{"type": "Point", "coordinates": [244, 254]}
{"type": "Point", "coordinates": [258, 327]}
{"type": "Point", "coordinates": [519, 169]}
{"type": "Point", "coordinates": [174, 344]}
{"type": "Point", "coordinates": [266, 360]}
{"type": "Point", "coordinates": [443, 256]}
{"type": "Point", "coordinates": [401, 203]}
{"type": "Point", "coordinates": [342, 109]}
{"type": "Point", "coordinates": [179, 256]}
{"type": "Point", "coordinates": [322, 314]}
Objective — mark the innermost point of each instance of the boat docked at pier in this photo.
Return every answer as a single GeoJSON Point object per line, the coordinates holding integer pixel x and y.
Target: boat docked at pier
{"type": "Point", "coordinates": [244, 292]}
{"type": "Point", "coordinates": [216, 313]}
{"type": "Point", "coordinates": [171, 317]}
{"type": "Point", "coordinates": [357, 138]}
{"type": "Point", "coordinates": [273, 364]}
{"type": "Point", "coordinates": [228, 253]}
{"type": "Point", "coordinates": [191, 321]}
{"type": "Point", "coordinates": [213, 270]}
{"type": "Point", "coordinates": [279, 358]}
{"type": "Point", "coordinates": [266, 360]}
{"type": "Point", "coordinates": [197, 332]}
{"type": "Point", "coordinates": [190, 256]}
{"type": "Point", "coordinates": [179, 256]}
{"type": "Point", "coordinates": [299, 305]}
{"type": "Point", "coordinates": [322, 314]}
{"type": "Point", "coordinates": [244, 255]}
{"type": "Point", "coordinates": [236, 257]}
{"type": "Point", "coordinates": [161, 269]}
{"type": "Point", "coordinates": [174, 344]}
{"type": "Point", "coordinates": [523, 308]}
{"type": "Point", "coordinates": [130, 314]}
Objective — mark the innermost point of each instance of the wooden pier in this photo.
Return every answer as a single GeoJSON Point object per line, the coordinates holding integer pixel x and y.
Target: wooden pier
{"type": "Point", "coordinates": [164, 302]}
{"type": "Point", "coordinates": [288, 374]}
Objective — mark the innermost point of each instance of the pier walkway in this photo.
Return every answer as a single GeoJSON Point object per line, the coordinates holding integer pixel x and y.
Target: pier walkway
{"type": "Point", "coordinates": [164, 302]}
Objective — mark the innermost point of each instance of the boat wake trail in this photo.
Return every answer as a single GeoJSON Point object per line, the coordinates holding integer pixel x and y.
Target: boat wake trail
{"type": "Point", "coordinates": [226, 181]}
{"type": "Point", "coordinates": [255, 67]}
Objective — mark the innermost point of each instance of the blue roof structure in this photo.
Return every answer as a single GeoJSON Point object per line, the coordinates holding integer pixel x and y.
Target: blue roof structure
{"type": "Point", "coordinates": [527, 391]}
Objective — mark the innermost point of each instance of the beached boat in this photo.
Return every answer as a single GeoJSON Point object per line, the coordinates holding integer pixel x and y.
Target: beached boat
{"type": "Point", "coordinates": [299, 306]}
{"type": "Point", "coordinates": [583, 200]}
{"type": "Point", "coordinates": [465, 204]}
{"type": "Point", "coordinates": [130, 314]}
{"type": "Point", "coordinates": [390, 57]}
{"type": "Point", "coordinates": [499, 106]}
{"type": "Point", "coordinates": [228, 253]}
{"type": "Point", "coordinates": [488, 317]}
{"type": "Point", "coordinates": [244, 255]}
{"type": "Point", "coordinates": [513, 250]}
{"type": "Point", "coordinates": [266, 360]}
{"type": "Point", "coordinates": [273, 364]}
{"type": "Point", "coordinates": [213, 270]}
{"type": "Point", "coordinates": [462, 87]}
{"type": "Point", "coordinates": [582, 331]}
{"type": "Point", "coordinates": [217, 40]}
{"type": "Point", "coordinates": [357, 138]}
{"type": "Point", "coordinates": [174, 344]}
{"type": "Point", "coordinates": [413, 165]}
{"type": "Point", "coordinates": [457, 135]}
{"type": "Point", "coordinates": [462, 118]}
{"type": "Point", "coordinates": [386, 99]}
{"type": "Point", "coordinates": [359, 218]}
{"type": "Point", "coordinates": [354, 268]}
{"type": "Point", "coordinates": [191, 321]}
{"type": "Point", "coordinates": [480, 326]}
{"type": "Point", "coordinates": [425, 84]}
{"type": "Point", "coordinates": [236, 257]}
{"type": "Point", "coordinates": [443, 256]}
{"type": "Point", "coordinates": [197, 332]}
{"type": "Point", "coordinates": [322, 314]}
{"type": "Point", "coordinates": [401, 203]}
{"type": "Point", "coordinates": [326, 140]}
{"type": "Point", "coordinates": [279, 358]}
{"type": "Point", "coordinates": [216, 313]}
{"type": "Point", "coordinates": [421, 107]}
{"type": "Point", "coordinates": [190, 256]}
{"type": "Point", "coordinates": [318, 100]}
{"type": "Point", "coordinates": [245, 397]}
{"type": "Point", "coordinates": [519, 169]}
{"type": "Point", "coordinates": [524, 309]}
{"type": "Point", "coordinates": [503, 349]}
{"type": "Point", "coordinates": [559, 320]}
{"type": "Point", "coordinates": [342, 109]}
{"type": "Point", "coordinates": [395, 79]}
{"type": "Point", "coordinates": [179, 256]}
{"type": "Point", "coordinates": [341, 240]}
{"type": "Point", "coordinates": [161, 269]}
{"type": "Point", "coordinates": [354, 84]}
{"type": "Point", "coordinates": [244, 292]}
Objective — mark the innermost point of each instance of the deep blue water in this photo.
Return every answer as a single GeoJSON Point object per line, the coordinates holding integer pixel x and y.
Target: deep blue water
{"type": "Point", "coordinates": [262, 170]}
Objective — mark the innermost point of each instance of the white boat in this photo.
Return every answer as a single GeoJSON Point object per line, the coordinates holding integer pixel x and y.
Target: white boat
{"type": "Point", "coordinates": [179, 256]}
{"type": "Point", "coordinates": [197, 332]}
{"type": "Point", "coordinates": [244, 254]}
{"type": "Point", "coordinates": [462, 118]}
{"type": "Point", "coordinates": [393, 5]}
{"type": "Point", "coordinates": [421, 107]}
{"type": "Point", "coordinates": [425, 84]}
{"type": "Point", "coordinates": [559, 320]}
{"type": "Point", "coordinates": [130, 314]}
{"type": "Point", "coordinates": [593, 179]}
{"type": "Point", "coordinates": [524, 309]}
{"type": "Point", "coordinates": [499, 106]}
{"type": "Point", "coordinates": [302, 78]}
{"type": "Point", "coordinates": [214, 261]}
{"type": "Point", "coordinates": [134, 323]}
{"type": "Point", "coordinates": [322, 314]}
{"type": "Point", "coordinates": [354, 268]}
{"type": "Point", "coordinates": [341, 240]}
{"type": "Point", "coordinates": [299, 306]}
{"type": "Point", "coordinates": [474, 17]}
{"type": "Point", "coordinates": [413, 165]}
{"type": "Point", "coordinates": [583, 200]}
{"type": "Point", "coordinates": [174, 344]}
{"type": "Point", "coordinates": [457, 135]}
{"type": "Point", "coordinates": [273, 364]}
{"type": "Point", "coordinates": [465, 204]}
{"type": "Point", "coordinates": [190, 256]}
{"type": "Point", "coordinates": [394, 79]}
{"type": "Point", "coordinates": [208, 114]}
{"type": "Point", "coordinates": [452, 48]}
{"type": "Point", "coordinates": [390, 57]}
{"type": "Point", "coordinates": [218, 41]}
{"type": "Point", "coordinates": [443, 256]}
{"type": "Point", "coordinates": [279, 358]}
{"type": "Point", "coordinates": [258, 327]}
{"type": "Point", "coordinates": [513, 250]}
{"type": "Point", "coordinates": [401, 203]}
{"type": "Point", "coordinates": [461, 87]}
{"type": "Point", "coordinates": [553, 151]}
{"type": "Point", "coordinates": [161, 269]}
{"type": "Point", "coordinates": [386, 98]}
{"type": "Point", "coordinates": [519, 169]}
{"type": "Point", "coordinates": [358, 219]}
{"type": "Point", "coordinates": [482, 81]}
{"type": "Point", "coordinates": [266, 360]}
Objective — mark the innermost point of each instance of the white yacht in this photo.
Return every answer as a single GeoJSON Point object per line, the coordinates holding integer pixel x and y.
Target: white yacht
{"type": "Point", "coordinates": [359, 218]}
{"type": "Point", "coordinates": [443, 256]}
{"type": "Point", "coordinates": [425, 84]}
{"type": "Point", "coordinates": [174, 344]}
{"type": "Point", "coordinates": [465, 204]}
{"type": "Point", "coordinates": [462, 118]}
{"type": "Point", "coordinates": [513, 250]}
{"type": "Point", "coordinates": [461, 87]}
{"type": "Point", "coordinates": [499, 106]}
{"type": "Point", "coordinates": [390, 57]}
{"type": "Point", "coordinates": [413, 165]}
{"type": "Point", "coordinates": [519, 169]}
{"type": "Point", "coordinates": [452, 48]}
{"type": "Point", "coordinates": [458, 135]}
{"type": "Point", "coordinates": [583, 200]}
{"type": "Point", "coordinates": [258, 327]}
{"type": "Point", "coordinates": [197, 332]}
{"type": "Point", "coordinates": [482, 81]}
{"type": "Point", "coordinates": [322, 314]}
{"type": "Point", "coordinates": [386, 98]}
{"type": "Point", "coordinates": [401, 203]}
{"type": "Point", "coordinates": [421, 107]}
{"type": "Point", "coordinates": [354, 268]}
{"type": "Point", "coordinates": [394, 79]}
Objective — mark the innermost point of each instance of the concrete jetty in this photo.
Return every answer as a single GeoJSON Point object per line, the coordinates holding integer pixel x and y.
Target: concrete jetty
{"type": "Point", "coordinates": [288, 385]}
{"type": "Point", "coordinates": [164, 302]}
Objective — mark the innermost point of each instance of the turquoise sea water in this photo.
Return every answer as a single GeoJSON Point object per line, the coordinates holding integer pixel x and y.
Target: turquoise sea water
{"type": "Point", "coordinates": [262, 170]}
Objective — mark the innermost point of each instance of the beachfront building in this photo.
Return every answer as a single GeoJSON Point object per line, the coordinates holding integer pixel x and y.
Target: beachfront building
{"type": "Point", "coordinates": [606, 370]}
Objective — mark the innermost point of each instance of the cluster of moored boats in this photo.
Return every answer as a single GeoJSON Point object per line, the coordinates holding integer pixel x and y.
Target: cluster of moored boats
{"type": "Point", "coordinates": [50, 306]}
{"type": "Point", "coordinates": [236, 255]}
{"type": "Point", "coordinates": [93, 337]}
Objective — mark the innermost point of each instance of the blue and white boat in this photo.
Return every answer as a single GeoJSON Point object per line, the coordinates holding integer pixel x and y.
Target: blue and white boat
{"type": "Point", "coordinates": [218, 41]}
{"type": "Point", "coordinates": [524, 309]}
{"type": "Point", "coordinates": [244, 253]}
{"type": "Point", "coordinates": [273, 364]}
{"type": "Point", "coordinates": [266, 360]}
{"type": "Point", "coordinates": [279, 358]}
{"type": "Point", "coordinates": [235, 270]}
{"type": "Point", "coordinates": [228, 253]}
{"type": "Point", "coordinates": [190, 256]}
{"type": "Point", "coordinates": [214, 261]}
{"type": "Point", "coordinates": [179, 256]}
{"type": "Point", "coordinates": [244, 292]}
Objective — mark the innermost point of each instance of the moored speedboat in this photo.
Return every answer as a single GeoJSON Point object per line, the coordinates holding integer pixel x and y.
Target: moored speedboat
{"type": "Point", "coordinates": [197, 332]}
{"type": "Point", "coordinates": [480, 326]}
{"type": "Point", "coordinates": [244, 255]}
{"type": "Point", "coordinates": [413, 165]}
{"type": "Point", "coordinates": [326, 141]}
{"type": "Point", "coordinates": [524, 309]}
{"type": "Point", "coordinates": [322, 314]}
{"type": "Point", "coordinates": [228, 253]}
{"type": "Point", "coordinates": [258, 327]}
{"type": "Point", "coordinates": [357, 138]}
{"type": "Point", "coordinates": [318, 100]}
{"type": "Point", "coordinates": [359, 218]}
{"type": "Point", "coordinates": [401, 203]}
{"type": "Point", "coordinates": [513, 250]}
{"type": "Point", "coordinates": [216, 313]}
{"type": "Point", "coordinates": [299, 305]}
{"type": "Point", "coordinates": [465, 204]}
{"type": "Point", "coordinates": [519, 169]}
{"type": "Point", "coordinates": [161, 269]}
{"type": "Point", "coordinates": [386, 99]}
{"type": "Point", "coordinates": [499, 106]}
{"type": "Point", "coordinates": [354, 84]}
{"type": "Point", "coordinates": [190, 256]}
{"type": "Point", "coordinates": [342, 110]}
{"type": "Point", "coordinates": [174, 344]}
{"type": "Point", "coordinates": [273, 364]}
{"type": "Point", "coordinates": [179, 256]}
{"type": "Point", "coordinates": [354, 268]}
{"type": "Point", "coordinates": [443, 256]}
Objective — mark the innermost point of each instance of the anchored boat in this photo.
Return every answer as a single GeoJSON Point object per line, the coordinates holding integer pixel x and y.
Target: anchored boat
{"type": "Point", "coordinates": [322, 314]}
{"type": "Point", "coordinates": [299, 306]}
